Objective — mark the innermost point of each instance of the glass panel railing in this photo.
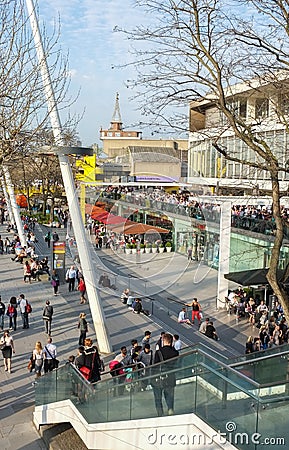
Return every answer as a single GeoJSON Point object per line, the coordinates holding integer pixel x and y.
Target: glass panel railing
{"type": "Point", "coordinates": [251, 356]}
{"type": "Point", "coordinates": [227, 409]}
{"type": "Point", "coordinates": [225, 398]}
{"type": "Point", "coordinates": [266, 369]}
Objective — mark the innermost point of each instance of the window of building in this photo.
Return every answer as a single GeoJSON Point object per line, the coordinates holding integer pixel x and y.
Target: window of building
{"type": "Point", "coordinates": [238, 107]}
{"type": "Point", "coordinates": [243, 109]}
{"type": "Point", "coordinates": [261, 108]}
{"type": "Point", "coordinates": [284, 103]}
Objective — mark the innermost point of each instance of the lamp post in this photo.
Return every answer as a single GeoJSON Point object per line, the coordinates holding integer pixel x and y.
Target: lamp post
{"type": "Point", "coordinates": [85, 255]}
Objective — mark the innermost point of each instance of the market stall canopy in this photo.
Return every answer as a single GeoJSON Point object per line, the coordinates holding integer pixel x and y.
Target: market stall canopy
{"type": "Point", "coordinates": [251, 277]}
{"type": "Point", "coordinates": [119, 224]}
{"type": "Point", "coordinates": [141, 228]}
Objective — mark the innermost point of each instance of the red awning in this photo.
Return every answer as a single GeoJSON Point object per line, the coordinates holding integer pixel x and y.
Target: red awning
{"type": "Point", "coordinates": [121, 225]}
{"type": "Point", "coordinates": [141, 228]}
{"type": "Point", "coordinates": [100, 216]}
{"type": "Point", "coordinates": [112, 219]}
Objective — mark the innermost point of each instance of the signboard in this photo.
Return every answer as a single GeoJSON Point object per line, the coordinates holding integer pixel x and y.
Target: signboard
{"type": "Point", "coordinates": [58, 259]}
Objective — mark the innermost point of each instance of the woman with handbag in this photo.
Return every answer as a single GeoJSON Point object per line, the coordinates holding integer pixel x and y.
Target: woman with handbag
{"type": "Point", "coordinates": [92, 360]}
{"type": "Point", "coordinates": [82, 290]}
{"type": "Point", "coordinates": [38, 357]}
{"type": "Point", "coordinates": [7, 348]}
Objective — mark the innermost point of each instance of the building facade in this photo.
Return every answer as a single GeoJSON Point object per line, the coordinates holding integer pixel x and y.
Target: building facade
{"type": "Point", "coordinates": [148, 159]}
{"type": "Point", "coordinates": [262, 106]}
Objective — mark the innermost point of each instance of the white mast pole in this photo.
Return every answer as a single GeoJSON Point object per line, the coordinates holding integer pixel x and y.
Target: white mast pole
{"type": "Point", "coordinates": [74, 209]}
{"type": "Point", "coordinates": [14, 207]}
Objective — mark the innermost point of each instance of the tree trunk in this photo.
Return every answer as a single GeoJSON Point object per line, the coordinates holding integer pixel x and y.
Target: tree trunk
{"type": "Point", "coordinates": [274, 263]}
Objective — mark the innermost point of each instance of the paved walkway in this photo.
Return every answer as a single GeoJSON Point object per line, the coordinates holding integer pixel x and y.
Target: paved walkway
{"type": "Point", "coordinates": [160, 277]}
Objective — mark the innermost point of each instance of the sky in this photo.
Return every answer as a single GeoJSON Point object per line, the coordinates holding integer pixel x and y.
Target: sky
{"type": "Point", "coordinates": [94, 52]}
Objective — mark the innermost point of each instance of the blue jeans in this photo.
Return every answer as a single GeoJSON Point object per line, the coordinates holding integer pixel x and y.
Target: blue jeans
{"type": "Point", "coordinates": [25, 322]}
{"type": "Point", "coordinates": [2, 321]}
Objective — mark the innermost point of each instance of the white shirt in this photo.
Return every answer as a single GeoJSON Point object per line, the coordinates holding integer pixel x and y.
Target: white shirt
{"type": "Point", "coordinates": [22, 305]}
{"type": "Point", "coordinates": [71, 273]}
{"type": "Point", "coordinates": [178, 344]}
{"type": "Point", "coordinates": [52, 350]}
{"type": "Point", "coordinates": [182, 316]}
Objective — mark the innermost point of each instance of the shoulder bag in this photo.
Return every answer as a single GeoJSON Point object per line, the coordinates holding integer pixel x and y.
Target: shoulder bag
{"type": "Point", "coordinates": [54, 360]}
{"type": "Point", "coordinates": [3, 346]}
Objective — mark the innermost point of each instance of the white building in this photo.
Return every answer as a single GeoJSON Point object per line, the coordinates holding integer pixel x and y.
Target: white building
{"type": "Point", "coordinates": [263, 105]}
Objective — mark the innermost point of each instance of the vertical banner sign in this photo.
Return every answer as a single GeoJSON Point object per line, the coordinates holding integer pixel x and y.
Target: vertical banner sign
{"type": "Point", "coordinates": [58, 259]}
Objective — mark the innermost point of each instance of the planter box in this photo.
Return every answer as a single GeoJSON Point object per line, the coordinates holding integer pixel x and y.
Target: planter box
{"type": "Point", "coordinates": [128, 251]}
{"type": "Point", "coordinates": [161, 249]}
{"type": "Point", "coordinates": [147, 250]}
{"type": "Point", "coordinates": [154, 250]}
{"type": "Point", "coordinates": [133, 250]}
{"type": "Point", "coordinates": [168, 249]}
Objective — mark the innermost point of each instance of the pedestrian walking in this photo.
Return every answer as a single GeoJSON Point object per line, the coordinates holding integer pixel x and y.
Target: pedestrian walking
{"type": "Point", "coordinates": [83, 328]}
{"type": "Point", "coordinates": [47, 317]}
{"type": "Point", "coordinates": [38, 357]}
{"type": "Point", "coordinates": [70, 278]}
{"type": "Point", "coordinates": [27, 272]}
{"type": "Point", "coordinates": [7, 348]}
{"type": "Point", "coordinates": [48, 239]}
{"type": "Point", "coordinates": [55, 281]}
{"type": "Point", "coordinates": [50, 361]}
{"type": "Point", "coordinates": [25, 310]}
{"type": "Point", "coordinates": [82, 290]}
{"type": "Point", "coordinates": [55, 237]}
{"type": "Point", "coordinates": [2, 314]}
{"type": "Point", "coordinates": [12, 313]}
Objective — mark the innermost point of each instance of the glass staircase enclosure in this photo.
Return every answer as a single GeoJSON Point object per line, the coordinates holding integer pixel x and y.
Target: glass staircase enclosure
{"type": "Point", "coordinates": [250, 396]}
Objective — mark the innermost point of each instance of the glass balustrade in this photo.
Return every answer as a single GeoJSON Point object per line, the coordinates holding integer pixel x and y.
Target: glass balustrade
{"type": "Point", "coordinates": [235, 401]}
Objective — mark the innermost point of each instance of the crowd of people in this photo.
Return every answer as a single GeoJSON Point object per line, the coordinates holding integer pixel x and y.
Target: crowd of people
{"type": "Point", "coordinates": [139, 364]}
{"type": "Point", "coordinates": [15, 307]}
{"type": "Point", "coordinates": [133, 303]}
{"type": "Point", "coordinates": [271, 324]}
{"type": "Point", "coordinates": [43, 358]}
{"type": "Point", "coordinates": [205, 327]}
{"type": "Point", "coordinates": [253, 217]}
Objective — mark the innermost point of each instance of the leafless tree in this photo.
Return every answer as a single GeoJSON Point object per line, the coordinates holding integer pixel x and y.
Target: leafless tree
{"type": "Point", "coordinates": [23, 108]}
{"type": "Point", "coordinates": [195, 49]}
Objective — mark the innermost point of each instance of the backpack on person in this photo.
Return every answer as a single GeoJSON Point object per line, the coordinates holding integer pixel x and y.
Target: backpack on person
{"type": "Point", "coordinates": [116, 368]}
{"type": "Point", "coordinates": [28, 308]}
{"type": "Point", "coordinates": [11, 311]}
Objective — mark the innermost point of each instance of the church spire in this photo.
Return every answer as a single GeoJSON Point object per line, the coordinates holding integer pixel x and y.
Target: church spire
{"type": "Point", "coordinates": [116, 123]}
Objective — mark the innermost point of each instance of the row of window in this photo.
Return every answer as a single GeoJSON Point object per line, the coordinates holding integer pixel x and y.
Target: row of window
{"type": "Point", "coordinates": [239, 107]}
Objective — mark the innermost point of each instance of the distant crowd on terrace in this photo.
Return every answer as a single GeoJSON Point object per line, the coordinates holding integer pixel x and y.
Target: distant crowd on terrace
{"type": "Point", "coordinates": [254, 218]}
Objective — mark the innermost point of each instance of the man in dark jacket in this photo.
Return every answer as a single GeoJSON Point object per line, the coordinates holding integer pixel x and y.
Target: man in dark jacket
{"type": "Point", "coordinates": [47, 317]}
{"type": "Point", "coordinates": [164, 382]}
